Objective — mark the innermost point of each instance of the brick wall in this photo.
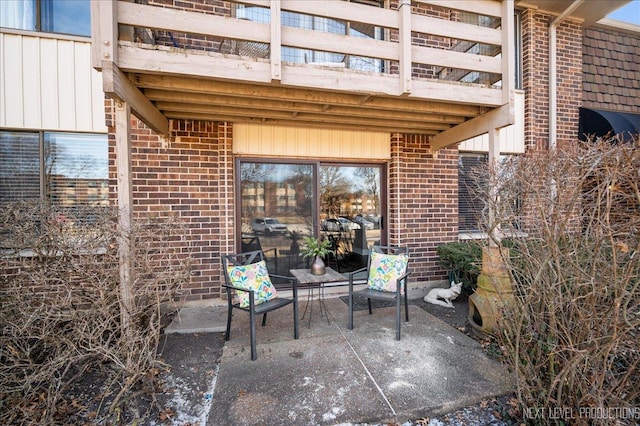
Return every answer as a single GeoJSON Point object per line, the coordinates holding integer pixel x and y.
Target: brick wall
{"type": "Point", "coordinates": [193, 176]}
{"type": "Point", "coordinates": [191, 179]}
{"type": "Point", "coordinates": [611, 70]}
{"type": "Point", "coordinates": [535, 55]}
{"type": "Point", "coordinates": [423, 202]}
{"type": "Point", "coordinates": [569, 60]}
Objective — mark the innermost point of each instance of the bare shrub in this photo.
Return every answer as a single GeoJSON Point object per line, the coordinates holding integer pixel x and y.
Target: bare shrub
{"type": "Point", "coordinates": [61, 307]}
{"type": "Point", "coordinates": [572, 337]}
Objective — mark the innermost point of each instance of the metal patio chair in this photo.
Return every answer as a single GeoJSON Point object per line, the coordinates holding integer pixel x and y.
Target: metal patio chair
{"type": "Point", "coordinates": [246, 274]}
{"type": "Point", "coordinates": [387, 275]}
{"type": "Point", "coordinates": [251, 242]}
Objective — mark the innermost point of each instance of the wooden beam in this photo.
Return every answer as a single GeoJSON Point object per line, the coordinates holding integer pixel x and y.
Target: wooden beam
{"type": "Point", "coordinates": [481, 7]}
{"type": "Point", "coordinates": [96, 36]}
{"type": "Point", "coordinates": [377, 127]}
{"type": "Point", "coordinates": [160, 95]}
{"type": "Point", "coordinates": [493, 119]}
{"type": "Point", "coordinates": [385, 114]}
{"type": "Point", "coordinates": [342, 11]}
{"type": "Point", "coordinates": [116, 85]}
{"type": "Point", "coordinates": [164, 60]}
{"type": "Point", "coordinates": [104, 34]}
{"type": "Point", "coordinates": [145, 16]}
{"type": "Point", "coordinates": [457, 93]}
{"type": "Point", "coordinates": [508, 52]}
{"type": "Point", "coordinates": [179, 100]}
{"type": "Point", "coordinates": [125, 209]}
{"type": "Point", "coordinates": [250, 70]}
{"type": "Point", "coordinates": [339, 43]}
{"type": "Point", "coordinates": [458, 60]}
{"type": "Point", "coordinates": [276, 42]}
{"type": "Point", "coordinates": [455, 30]}
{"type": "Point", "coordinates": [255, 92]}
{"type": "Point", "coordinates": [494, 153]}
{"type": "Point", "coordinates": [368, 122]}
{"type": "Point", "coordinates": [404, 45]}
{"type": "Point", "coordinates": [327, 118]}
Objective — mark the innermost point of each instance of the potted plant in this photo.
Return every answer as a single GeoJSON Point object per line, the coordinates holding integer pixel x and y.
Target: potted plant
{"type": "Point", "coordinates": [316, 248]}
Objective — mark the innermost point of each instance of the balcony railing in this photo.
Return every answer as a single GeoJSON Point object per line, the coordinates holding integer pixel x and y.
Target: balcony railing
{"type": "Point", "coordinates": [448, 52]}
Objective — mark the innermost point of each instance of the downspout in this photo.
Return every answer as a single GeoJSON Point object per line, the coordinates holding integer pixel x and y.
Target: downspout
{"type": "Point", "coordinates": [553, 80]}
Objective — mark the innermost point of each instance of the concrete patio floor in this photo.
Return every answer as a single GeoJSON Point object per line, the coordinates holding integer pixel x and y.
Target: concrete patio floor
{"type": "Point", "coordinates": [332, 375]}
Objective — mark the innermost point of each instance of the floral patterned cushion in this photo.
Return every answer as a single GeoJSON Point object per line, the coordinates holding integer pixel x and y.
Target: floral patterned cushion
{"type": "Point", "coordinates": [252, 277]}
{"type": "Point", "coordinates": [385, 269]}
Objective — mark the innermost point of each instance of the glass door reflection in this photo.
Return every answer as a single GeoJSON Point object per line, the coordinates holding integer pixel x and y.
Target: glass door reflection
{"type": "Point", "coordinates": [350, 212]}
{"type": "Point", "coordinates": [282, 202]}
{"type": "Point", "coordinates": [276, 211]}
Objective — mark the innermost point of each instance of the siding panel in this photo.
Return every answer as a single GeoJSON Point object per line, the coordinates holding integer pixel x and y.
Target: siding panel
{"type": "Point", "coordinates": [31, 68]}
{"type": "Point", "coordinates": [269, 140]}
{"type": "Point", "coordinates": [49, 84]}
{"type": "Point", "coordinates": [12, 64]}
{"type": "Point", "coordinates": [82, 85]}
{"type": "Point", "coordinates": [66, 85]}
{"type": "Point", "coordinates": [49, 79]}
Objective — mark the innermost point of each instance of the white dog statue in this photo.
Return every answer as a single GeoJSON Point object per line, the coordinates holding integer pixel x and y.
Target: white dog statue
{"type": "Point", "coordinates": [446, 294]}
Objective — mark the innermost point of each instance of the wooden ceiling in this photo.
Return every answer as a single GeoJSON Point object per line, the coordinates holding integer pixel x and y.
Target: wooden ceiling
{"type": "Point", "coordinates": [207, 99]}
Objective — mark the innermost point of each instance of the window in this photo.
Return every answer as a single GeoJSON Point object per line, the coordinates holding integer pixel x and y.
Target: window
{"type": "Point", "coordinates": [53, 16]}
{"type": "Point", "coordinates": [518, 50]}
{"type": "Point", "coordinates": [66, 169]}
{"type": "Point", "coordinates": [341, 202]}
{"type": "Point", "coordinates": [470, 205]}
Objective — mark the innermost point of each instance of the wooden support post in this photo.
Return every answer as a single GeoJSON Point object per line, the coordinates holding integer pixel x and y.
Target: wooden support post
{"type": "Point", "coordinates": [508, 52]}
{"type": "Point", "coordinates": [404, 26]}
{"type": "Point", "coordinates": [125, 216]}
{"type": "Point", "coordinates": [104, 34]}
{"type": "Point", "coordinates": [494, 153]}
{"type": "Point", "coordinates": [276, 41]}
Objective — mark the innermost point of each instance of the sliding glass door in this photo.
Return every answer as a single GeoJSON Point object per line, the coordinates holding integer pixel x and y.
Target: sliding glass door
{"type": "Point", "coordinates": [350, 211]}
{"type": "Point", "coordinates": [280, 202]}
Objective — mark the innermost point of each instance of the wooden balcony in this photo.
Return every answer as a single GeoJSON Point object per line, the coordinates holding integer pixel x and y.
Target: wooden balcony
{"type": "Point", "coordinates": [436, 67]}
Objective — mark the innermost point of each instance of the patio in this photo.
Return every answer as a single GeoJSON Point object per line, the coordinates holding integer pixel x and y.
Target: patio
{"type": "Point", "coordinates": [333, 375]}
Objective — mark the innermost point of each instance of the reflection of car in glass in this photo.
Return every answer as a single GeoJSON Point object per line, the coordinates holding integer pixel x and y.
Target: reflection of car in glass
{"type": "Point", "coordinates": [364, 222]}
{"type": "Point", "coordinates": [348, 224]}
{"type": "Point", "coordinates": [267, 224]}
{"type": "Point", "coordinates": [373, 219]}
{"type": "Point", "coordinates": [331, 225]}
{"type": "Point", "coordinates": [339, 224]}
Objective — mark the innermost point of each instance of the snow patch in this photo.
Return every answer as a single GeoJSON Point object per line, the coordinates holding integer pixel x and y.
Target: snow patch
{"type": "Point", "coordinates": [185, 411]}
{"type": "Point", "coordinates": [332, 415]}
{"type": "Point", "coordinates": [401, 384]}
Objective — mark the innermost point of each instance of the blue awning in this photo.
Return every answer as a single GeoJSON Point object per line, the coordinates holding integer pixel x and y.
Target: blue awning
{"type": "Point", "coordinates": [601, 123]}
